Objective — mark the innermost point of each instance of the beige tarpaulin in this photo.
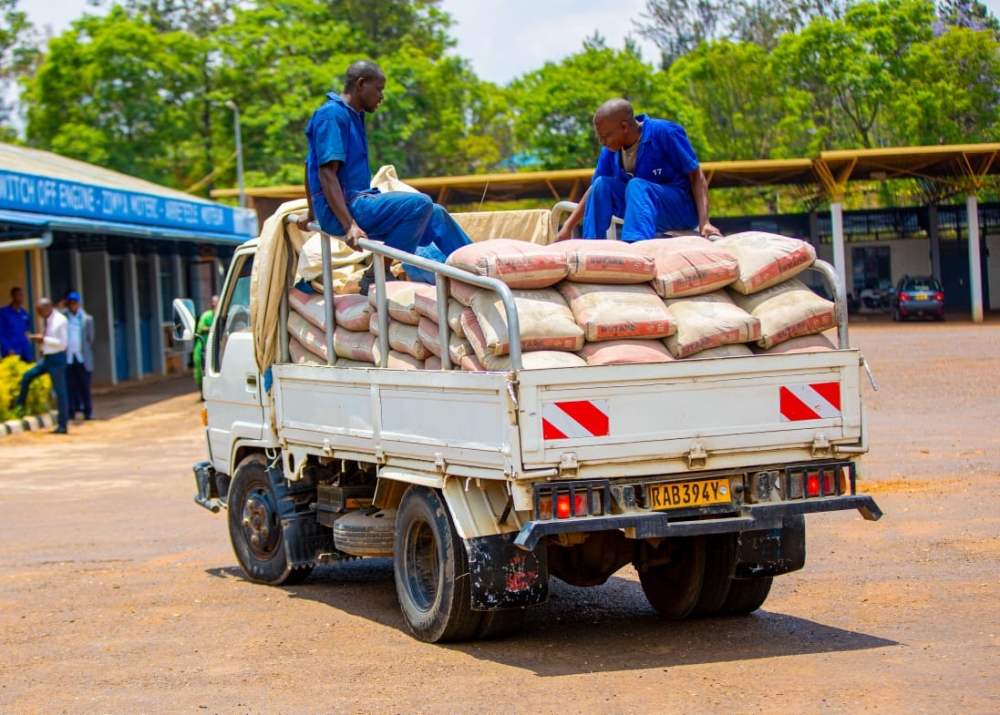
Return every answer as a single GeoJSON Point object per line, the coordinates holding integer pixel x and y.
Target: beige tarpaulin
{"type": "Point", "coordinates": [534, 225]}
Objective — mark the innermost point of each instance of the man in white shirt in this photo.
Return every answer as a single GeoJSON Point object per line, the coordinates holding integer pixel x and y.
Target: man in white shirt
{"type": "Point", "coordinates": [53, 340]}
{"type": "Point", "coordinates": [79, 356]}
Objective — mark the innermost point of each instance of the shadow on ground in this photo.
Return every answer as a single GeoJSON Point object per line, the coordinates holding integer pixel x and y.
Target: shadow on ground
{"type": "Point", "coordinates": [582, 630]}
{"type": "Point", "coordinates": [120, 399]}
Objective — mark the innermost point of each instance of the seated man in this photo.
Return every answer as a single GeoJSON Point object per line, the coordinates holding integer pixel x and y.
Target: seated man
{"type": "Point", "coordinates": [647, 174]}
{"type": "Point", "coordinates": [338, 180]}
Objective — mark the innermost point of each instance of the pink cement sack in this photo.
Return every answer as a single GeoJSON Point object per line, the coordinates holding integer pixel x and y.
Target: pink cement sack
{"type": "Point", "coordinates": [426, 306]}
{"type": "Point", "coordinates": [708, 321]}
{"type": "Point", "coordinates": [546, 322]}
{"type": "Point", "coordinates": [309, 336]}
{"type": "Point", "coordinates": [614, 312]}
{"type": "Point", "coordinates": [766, 259]}
{"type": "Point", "coordinates": [732, 350]}
{"type": "Point", "coordinates": [519, 264]}
{"type": "Point", "coordinates": [309, 306]}
{"type": "Point", "coordinates": [354, 345]}
{"type": "Point", "coordinates": [401, 297]}
{"type": "Point", "coordinates": [689, 265]}
{"type": "Point", "coordinates": [352, 311]}
{"type": "Point", "coordinates": [429, 335]}
{"type": "Point", "coordinates": [787, 310]}
{"type": "Point", "coordinates": [625, 352]}
{"type": "Point", "coordinates": [607, 262]}
{"type": "Point", "coordinates": [815, 343]}
{"type": "Point", "coordinates": [300, 355]}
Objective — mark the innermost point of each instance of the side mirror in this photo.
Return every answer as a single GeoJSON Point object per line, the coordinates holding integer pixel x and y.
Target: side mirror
{"type": "Point", "coordinates": [184, 321]}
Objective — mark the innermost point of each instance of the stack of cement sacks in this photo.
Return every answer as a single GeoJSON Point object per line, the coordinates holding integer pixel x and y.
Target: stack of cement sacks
{"type": "Point", "coordinates": [585, 303]}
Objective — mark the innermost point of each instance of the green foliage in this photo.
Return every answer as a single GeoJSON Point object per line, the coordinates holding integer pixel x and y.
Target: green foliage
{"type": "Point", "coordinates": [39, 394]}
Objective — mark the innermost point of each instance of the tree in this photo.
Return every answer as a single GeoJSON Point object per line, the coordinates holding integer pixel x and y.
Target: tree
{"type": "Point", "coordinates": [555, 105]}
{"type": "Point", "coordinates": [970, 14]}
{"type": "Point", "coordinates": [18, 53]}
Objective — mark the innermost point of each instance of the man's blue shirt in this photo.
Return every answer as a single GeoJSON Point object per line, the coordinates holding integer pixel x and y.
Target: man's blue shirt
{"type": "Point", "coordinates": [14, 323]}
{"type": "Point", "coordinates": [337, 133]}
{"type": "Point", "coordinates": [665, 156]}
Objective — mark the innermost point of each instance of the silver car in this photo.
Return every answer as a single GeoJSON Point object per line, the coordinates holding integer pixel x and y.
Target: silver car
{"type": "Point", "coordinates": [921, 296]}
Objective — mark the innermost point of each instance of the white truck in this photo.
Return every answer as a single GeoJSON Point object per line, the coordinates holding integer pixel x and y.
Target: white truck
{"type": "Point", "coordinates": [698, 472]}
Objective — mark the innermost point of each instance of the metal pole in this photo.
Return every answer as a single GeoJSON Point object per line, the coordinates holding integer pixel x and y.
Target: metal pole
{"type": "Point", "coordinates": [239, 152]}
{"type": "Point", "coordinates": [975, 259]}
{"type": "Point", "coordinates": [839, 261]}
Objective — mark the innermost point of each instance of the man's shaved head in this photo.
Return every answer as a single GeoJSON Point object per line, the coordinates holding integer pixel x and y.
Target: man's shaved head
{"type": "Point", "coordinates": [362, 69]}
{"type": "Point", "coordinates": [615, 110]}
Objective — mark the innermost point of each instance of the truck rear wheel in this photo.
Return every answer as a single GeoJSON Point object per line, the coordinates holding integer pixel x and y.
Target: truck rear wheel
{"type": "Point", "coordinates": [255, 526]}
{"type": "Point", "coordinates": [432, 570]}
{"type": "Point", "coordinates": [673, 584]}
{"type": "Point", "coordinates": [746, 595]}
{"type": "Point", "coordinates": [720, 557]}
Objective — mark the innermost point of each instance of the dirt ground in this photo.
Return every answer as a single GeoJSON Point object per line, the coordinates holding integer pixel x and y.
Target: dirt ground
{"type": "Point", "coordinates": [119, 595]}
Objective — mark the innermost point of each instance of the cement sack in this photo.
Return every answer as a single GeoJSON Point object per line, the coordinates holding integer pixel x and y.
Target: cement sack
{"type": "Point", "coordinates": [345, 362]}
{"type": "Point", "coordinates": [347, 264]}
{"type": "Point", "coordinates": [463, 292]}
{"type": "Point", "coordinates": [616, 312]}
{"type": "Point", "coordinates": [787, 310]}
{"type": "Point", "coordinates": [401, 297]}
{"type": "Point", "coordinates": [546, 322]}
{"type": "Point", "coordinates": [300, 355]}
{"type": "Point", "coordinates": [538, 360]}
{"type": "Point", "coordinates": [354, 345]}
{"type": "Point", "coordinates": [430, 336]}
{"type": "Point", "coordinates": [352, 311]}
{"type": "Point", "coordinates": [708, 321]}
{"type": "Point", "coordinates": [815, 343]}
{"type": "Point", "coordinates": [470, 363]}
{"type": "Point", "coordinates": [689, 265]}
{"type": "Point", "coordinates": [309, 336]}
{"type": "Point", "coordinates": [517, 263]}
{"type": "Point", "coordinates": [427, 307]}
{"type": "Point", "coordinates": [433, 362]}
{"type": "Point", "coordinates": [625, 352]}
{"type": "Point", "coordinates": [310, 306]}
{"type": "Point", "coordinates": [766, 259]}
{"type": "Point", "coordinates": [734, 350]}
{"type": "Point", "coordinates": [606, 262]}
{"type": "Point", "coordinates": [403, 361]}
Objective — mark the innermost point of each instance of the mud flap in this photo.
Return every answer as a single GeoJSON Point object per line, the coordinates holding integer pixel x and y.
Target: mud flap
{"type": "Point", "coordinates": [772, 552]}
{"type": "Point", "coordinates": [304, 537]}
{"type": "Point", "coordinates": [504, 575]}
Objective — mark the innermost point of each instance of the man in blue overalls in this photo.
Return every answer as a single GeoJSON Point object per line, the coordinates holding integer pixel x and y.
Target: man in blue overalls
{"type": "Point", "coordinates": [647, 174]}
{"type": "Point", "coordinates": [338, 180]}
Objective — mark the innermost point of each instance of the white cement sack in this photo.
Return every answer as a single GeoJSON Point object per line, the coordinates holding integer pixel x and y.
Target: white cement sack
{"type": "Point", "coordinates": [429, 335]}
{"type": "Point", "coordinates": [300, 355]}
{"type": "Point", "coordinates": [310, 265]}
{"type": "Point", "coordinates": [689, 265]}
{"type": "Point", "coordinates": [625, 352]}
{"type": "Point", "coordinates": [309, 306]}
{"type": "Point", "coordinates": [517, 263]}
{"type": "Point", "coordinates": [403, 361]}
{"type": "Point", "coordinates": [309, 336]}
{"type": "Point", "coordinates": [546, 322]}
{"type": "Point", "coordinates": [433, 362]}
{"type": "Point", "coordinates": [606, 262]}
{"type": "Point", "coordinates": [401, 297]}
{"type": "Point", "coordinates": [354, 345]}
{"type": "Point", "coordinates": [616, 312]}
{"type": "Point", "coordinates": [733, 350]}
{"type": "Point", "coordinates": [345, 362]}
{"type": "Point", "coordinates": [404, 338]}
{"type": "Point", "coordinates": [766, 259]}
{"type": "Point", "coordinates": [538, 360]}
{"type": "Point", "coordinates": [815, 343]}
{"type": "Point", "coordinates": [352, 311]}
{"type": "Point", "coordinates": [708, 321]}
{"type": "Point", "coordinates": [787, 310]}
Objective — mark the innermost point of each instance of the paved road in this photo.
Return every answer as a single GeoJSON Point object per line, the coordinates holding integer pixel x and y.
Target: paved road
{"type": "Point", "coordinates": [119, 595]}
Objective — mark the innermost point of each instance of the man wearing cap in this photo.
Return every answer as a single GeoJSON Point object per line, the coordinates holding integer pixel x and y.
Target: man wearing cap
{"type": "Point", "coordinates": [15, 324]}
{"type": "Point", "coordinates": [79, 356]}
{"type": "Point", "coordinates": [647, 174]}
{"type": "Point", "coordinates": [338, 182]}
{"type": "Point", "coordinates": [53, 341]}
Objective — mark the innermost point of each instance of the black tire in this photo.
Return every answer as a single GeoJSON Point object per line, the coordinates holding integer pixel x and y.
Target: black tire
{"type": "Point", "coordinates": [897, 316]}
{"type": "Point", "coordinates": [673, 588]}
{"type": "Point", "coordinates": [494, 625]}
{"type": "Point", "coordinates": [255, 526]}
{"type": "Point", "coordinates": [368, 532]}
{"type": "Point", "coordinates": [432, 570]}
{"type": "Point", "coordinates": [746, 595]}
{"type": "Point", "coordinates": [720, 557]}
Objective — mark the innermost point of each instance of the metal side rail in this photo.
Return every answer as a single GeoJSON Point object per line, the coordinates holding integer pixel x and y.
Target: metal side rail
{"type": "Point", "coordinates": [442, 274]}
{"type": "Point", "coordinates": [659, 525]}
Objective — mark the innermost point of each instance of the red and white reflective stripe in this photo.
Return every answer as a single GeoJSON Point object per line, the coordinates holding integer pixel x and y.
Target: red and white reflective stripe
{"type": "Point", "coordinates": [818, 401]}
{"type": "Point", "coordinates": [571, 420]}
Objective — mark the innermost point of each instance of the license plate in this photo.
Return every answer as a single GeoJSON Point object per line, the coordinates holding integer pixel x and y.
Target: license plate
{"type": "Point", "coordinates": [921, 297]}
{"type": "Point", "coordinates": [684, 494]}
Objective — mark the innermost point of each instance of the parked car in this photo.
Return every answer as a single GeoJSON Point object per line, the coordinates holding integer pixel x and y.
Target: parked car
{"type": "Point", "coordinates": [920, 296]}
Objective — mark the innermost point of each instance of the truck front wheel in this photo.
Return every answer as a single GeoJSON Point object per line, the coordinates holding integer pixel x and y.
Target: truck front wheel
{"type": "Point", "coordinates": [255, 526]}
{"type": "Point", "coordinates": [432, 570]}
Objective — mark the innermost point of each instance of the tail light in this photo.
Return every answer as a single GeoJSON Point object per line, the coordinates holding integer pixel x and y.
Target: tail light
{"type": "Point", "coordinates": [570, 500]}
{"type": "Point", "coordinates": [819, 481]}
{"type": "Point", "coordinates": [939, 296]}
{"type": "Point", "coordinates": [904, 296]}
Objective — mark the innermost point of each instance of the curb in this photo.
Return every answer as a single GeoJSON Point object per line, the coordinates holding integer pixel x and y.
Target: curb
{"type": "Point", "coordinates": [32, 422]}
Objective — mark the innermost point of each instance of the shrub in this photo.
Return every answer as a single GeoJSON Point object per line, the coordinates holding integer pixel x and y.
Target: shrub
{"type": "Point", "coordinates": [39, 395]}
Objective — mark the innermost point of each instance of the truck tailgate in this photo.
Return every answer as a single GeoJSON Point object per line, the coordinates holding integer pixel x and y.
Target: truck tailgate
{"type": "Point", "coordinates": [693, 414]}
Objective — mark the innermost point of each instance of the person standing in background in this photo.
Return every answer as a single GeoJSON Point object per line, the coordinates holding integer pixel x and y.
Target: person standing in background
{"type": "Point", "coordinates": [203, 328]}
{"type": "Point", "coordinates": [15, 324]}
{"type": "Point", "coordinates": [52, 340]}
{"type": "Point", "coordinates": [79, 357]}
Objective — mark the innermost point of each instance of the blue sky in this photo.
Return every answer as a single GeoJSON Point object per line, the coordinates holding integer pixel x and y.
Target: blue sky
{"type": "Point", "coordinates": [502, 39]}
